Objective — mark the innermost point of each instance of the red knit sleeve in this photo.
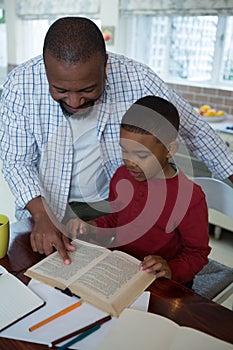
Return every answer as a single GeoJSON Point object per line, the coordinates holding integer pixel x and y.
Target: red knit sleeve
{"type": "Point", "coordinates": [194, 234]}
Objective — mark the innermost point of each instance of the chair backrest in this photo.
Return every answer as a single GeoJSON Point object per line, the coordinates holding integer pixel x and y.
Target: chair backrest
{"type": "Point", "coordinates": [215, 280]}
{"type": "Point", "coordinates": [219, 195]}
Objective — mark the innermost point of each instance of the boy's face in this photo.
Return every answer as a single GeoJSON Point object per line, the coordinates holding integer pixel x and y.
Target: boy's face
{"type": "Point", "coordinates": [144, 156]}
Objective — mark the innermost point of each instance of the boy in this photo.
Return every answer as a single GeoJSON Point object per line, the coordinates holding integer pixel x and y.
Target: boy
{"type": "Point", "coordinates": [157, 214]}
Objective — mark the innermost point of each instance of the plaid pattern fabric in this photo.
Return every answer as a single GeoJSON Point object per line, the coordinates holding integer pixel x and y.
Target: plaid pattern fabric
{"type": "Point", "coordinates": [36, 140]}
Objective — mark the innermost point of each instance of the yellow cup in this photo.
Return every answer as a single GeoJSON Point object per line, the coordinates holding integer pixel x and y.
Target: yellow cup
{"type": "Point", "coordinates": [4, 235]}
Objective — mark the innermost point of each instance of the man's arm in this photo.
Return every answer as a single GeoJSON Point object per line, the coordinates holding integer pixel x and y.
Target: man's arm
{"type": "Point", "coordinates": [194, 131]}
{"type": "Point", "coordinates": [46, 233]}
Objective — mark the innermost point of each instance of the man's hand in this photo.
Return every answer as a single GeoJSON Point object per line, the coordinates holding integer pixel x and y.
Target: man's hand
{"type": "Point", "coordinates": [46, 233]}
{"type": "Point", "coordinates": [157, 265]}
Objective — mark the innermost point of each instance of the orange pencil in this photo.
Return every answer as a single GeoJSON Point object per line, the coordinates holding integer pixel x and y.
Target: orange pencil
{"type": "Point", "coordinates": [53, 317]}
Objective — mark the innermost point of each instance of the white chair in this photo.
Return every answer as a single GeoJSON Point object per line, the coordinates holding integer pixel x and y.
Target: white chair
{"type": "Point", "coordinates": [215, 280]}
{"type": "Point", "coordinates": [219, 198]}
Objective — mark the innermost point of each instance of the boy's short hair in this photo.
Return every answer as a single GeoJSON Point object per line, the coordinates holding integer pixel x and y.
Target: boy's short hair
{"type": "Point", "coordinates": [153, 115]}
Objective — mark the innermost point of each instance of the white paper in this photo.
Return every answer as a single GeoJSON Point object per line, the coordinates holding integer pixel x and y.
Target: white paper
{"type": "Point", "coordinates": [136, 330]}
{"type": "Point", "coordinates": [16, 299]}
{"type": "Point", "coordinates": [73, 320]}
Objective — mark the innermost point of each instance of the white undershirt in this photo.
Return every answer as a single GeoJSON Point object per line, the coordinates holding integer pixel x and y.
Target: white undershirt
{"type": "Point", "coordinates": [89, 182]}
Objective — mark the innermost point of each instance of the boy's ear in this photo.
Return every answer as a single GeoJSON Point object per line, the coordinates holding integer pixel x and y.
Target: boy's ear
{"type": "Point", "coordinates": [172, 149]}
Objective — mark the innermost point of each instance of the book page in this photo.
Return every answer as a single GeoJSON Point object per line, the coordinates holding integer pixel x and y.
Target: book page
{"type": "Point", "coordinates": [52, 268]}
{"type": "Point", "coordinates": [16, 300]}
{"type": "Point", "coordinates": [112, 284]}
{"type": "Point", "coordinates": [192, 339]}
{"type": "Point", "coordinates": [127, 256]}
{"type": "Point", "coordinates": [137, 330]}
{"type": "Point", "coordinates": [110, 275]}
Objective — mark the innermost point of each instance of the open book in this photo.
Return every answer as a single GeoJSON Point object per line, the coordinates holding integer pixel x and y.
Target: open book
{"type": "Point", "coordinates": [16, 299]}
{"type": "Point", "coordinates": [136, 330]}
{"type": "Point", "coordinates": [111, 281]}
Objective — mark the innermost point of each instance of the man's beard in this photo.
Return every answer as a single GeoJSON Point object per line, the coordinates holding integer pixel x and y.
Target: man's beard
{"type": "Point", "coordinates": [82, 113]}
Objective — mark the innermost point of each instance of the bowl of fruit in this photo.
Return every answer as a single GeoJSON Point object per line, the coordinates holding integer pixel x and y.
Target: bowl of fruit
{"type": "Point", "coordinates": [211, 114]}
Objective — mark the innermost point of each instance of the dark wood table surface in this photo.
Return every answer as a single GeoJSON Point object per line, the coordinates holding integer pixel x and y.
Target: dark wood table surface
{"type": "Point", "coordinates": [168, 299]}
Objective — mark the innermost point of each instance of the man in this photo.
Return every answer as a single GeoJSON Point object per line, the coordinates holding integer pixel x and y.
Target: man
{"type": "Point", "coordinates": [60, 125]}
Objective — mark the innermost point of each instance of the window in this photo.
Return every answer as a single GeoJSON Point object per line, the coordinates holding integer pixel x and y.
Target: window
{"type": "Point", "coordinates": [185, 48]}
{"type": "Point", "coordinates": [227, 63]}
{"type": "Point", "coordinates": [3, 54]}
{"type": "Point", "coordinates": [191, 47]}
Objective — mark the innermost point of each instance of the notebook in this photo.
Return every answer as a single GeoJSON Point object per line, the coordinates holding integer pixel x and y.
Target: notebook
{"type": "Point", "coordinates": [136, 330]}
{"type": "Point", "coordinates": [16, 299]}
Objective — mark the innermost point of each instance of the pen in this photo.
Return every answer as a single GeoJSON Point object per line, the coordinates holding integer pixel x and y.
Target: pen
{"type": "Point", "coordinates": [53, 317]}
{"type": "Point", "coordinates": [81, 330]}
{"type": "Point", "coordinates": [79, 337]}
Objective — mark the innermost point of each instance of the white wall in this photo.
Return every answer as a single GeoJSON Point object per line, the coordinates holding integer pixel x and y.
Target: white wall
{"type": "Point", "coordinates": [25, 37]}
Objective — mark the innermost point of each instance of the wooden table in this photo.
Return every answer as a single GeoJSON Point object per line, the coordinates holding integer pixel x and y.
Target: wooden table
{"type": "Point", "coordinates": [168, 299]}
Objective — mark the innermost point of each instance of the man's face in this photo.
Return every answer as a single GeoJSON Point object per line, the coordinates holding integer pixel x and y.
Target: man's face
{"type": "Point", "coordinates": [76, 87]}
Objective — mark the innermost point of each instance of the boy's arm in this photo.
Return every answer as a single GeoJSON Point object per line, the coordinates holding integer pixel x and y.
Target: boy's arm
{"type": "Point", "coordinates": [78, 228]}
{"type": "Point", "coordinates": [195, 243]}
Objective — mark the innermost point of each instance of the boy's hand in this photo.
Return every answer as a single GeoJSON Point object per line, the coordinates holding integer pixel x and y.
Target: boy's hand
{"type": "Point", "coordinates": [76, 226]}
{"type": "Point", "coordinates": [156, 264]}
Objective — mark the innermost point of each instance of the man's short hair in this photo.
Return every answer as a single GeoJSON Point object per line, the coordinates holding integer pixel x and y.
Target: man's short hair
{"type": "Point", "coordinates": [74, 39]}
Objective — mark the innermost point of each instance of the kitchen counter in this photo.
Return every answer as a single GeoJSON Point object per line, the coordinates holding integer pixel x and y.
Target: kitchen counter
{"type": "Point", "coordinates": [222, 129]}
{"type": "Point", "coordinates": [222, 125]}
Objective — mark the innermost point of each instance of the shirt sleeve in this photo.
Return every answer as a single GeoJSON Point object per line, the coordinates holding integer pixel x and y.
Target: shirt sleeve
{"type": "Point", "coordinates": [18, 147]}
{"type": "Point", "coordinates": [198, 136]}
